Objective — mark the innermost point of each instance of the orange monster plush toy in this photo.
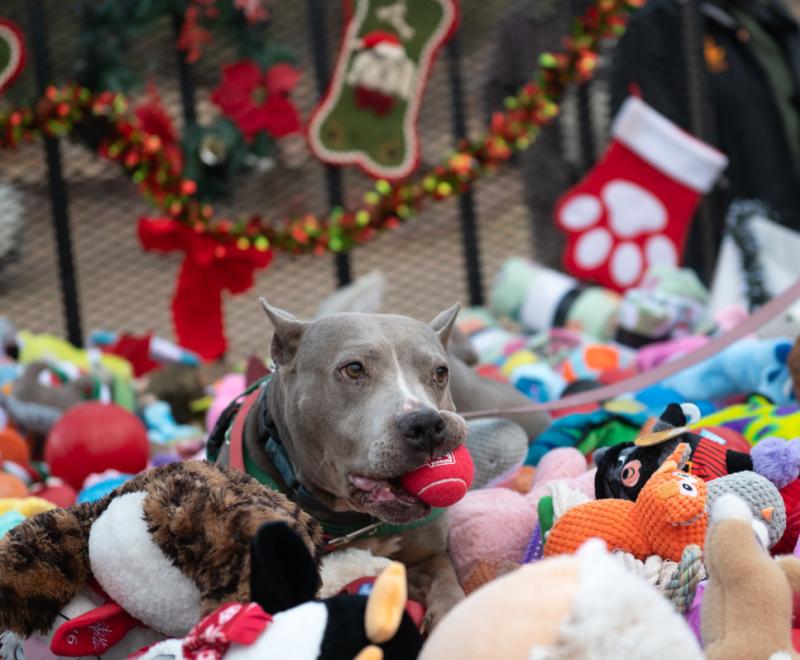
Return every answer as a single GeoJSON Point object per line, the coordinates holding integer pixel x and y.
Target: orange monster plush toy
{"type": "Point", "coordinates": [668, 515]}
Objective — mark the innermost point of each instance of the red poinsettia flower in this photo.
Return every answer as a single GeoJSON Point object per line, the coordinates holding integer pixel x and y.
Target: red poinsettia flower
{"type": "Point", "coordinates": [154, 118]}
{"type": "Point", "coordinates": [258, 101]}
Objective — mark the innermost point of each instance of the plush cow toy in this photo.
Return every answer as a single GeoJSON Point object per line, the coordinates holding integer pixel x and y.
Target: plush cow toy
{"type": "Point", "coordinates": [284, 621]}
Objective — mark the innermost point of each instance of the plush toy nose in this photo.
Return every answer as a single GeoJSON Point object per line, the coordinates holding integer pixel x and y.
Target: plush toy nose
{"type": "Point", "coordinates": [767, 513]}
{"type": "Point", "coordinates": [667, 490]}
{"type": "Point", "coordinates": [424, 429]}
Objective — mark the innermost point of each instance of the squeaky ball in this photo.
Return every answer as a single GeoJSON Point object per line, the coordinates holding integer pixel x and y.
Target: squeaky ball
{"type": "Point", "coordinates": [443, 481]}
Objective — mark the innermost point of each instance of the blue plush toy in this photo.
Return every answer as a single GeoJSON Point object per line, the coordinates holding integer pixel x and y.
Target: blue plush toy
{"type": "Point", "coordinates": [10, 520]}
{"type": "Point", "coordinates": [162, 428]}
{"type": "Point", "coordinates": [102, 488]}
{"type": "Point", "coordinates": [748, 367]}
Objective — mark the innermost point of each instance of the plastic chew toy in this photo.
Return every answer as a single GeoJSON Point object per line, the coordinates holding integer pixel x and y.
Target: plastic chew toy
{"type": "Point", "coordinates": [443, 481]}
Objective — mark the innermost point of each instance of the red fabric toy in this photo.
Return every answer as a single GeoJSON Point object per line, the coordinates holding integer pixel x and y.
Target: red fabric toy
{"type": "Point", "coordinates": [60, 494]}
{"type": "Point", "coordinates": [208, 268]}
{"type": "Point", "coordinates": [443, 481]}
{"type": "Point", "coordinates": [791, 499]}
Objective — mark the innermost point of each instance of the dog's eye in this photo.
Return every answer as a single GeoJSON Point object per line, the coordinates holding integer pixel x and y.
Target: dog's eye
{"type": "Point", "coordinates": [441, 374]}
{"type": "Point", "coordinates": [353, 370]}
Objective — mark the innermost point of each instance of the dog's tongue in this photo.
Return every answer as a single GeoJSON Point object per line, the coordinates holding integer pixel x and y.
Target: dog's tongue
{"type": "Point", "coordinates": [379, 490]}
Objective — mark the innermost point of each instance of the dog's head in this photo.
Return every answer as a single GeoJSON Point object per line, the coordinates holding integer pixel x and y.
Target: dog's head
{"type": "Point", "coordinates": [364, 399]}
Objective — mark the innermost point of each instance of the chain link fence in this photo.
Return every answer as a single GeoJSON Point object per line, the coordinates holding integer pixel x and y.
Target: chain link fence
{"type": "Point", "coordinates": [123, 288]}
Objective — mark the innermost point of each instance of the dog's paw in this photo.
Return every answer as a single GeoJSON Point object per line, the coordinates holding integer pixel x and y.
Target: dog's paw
{"type": "Point", "coordinates": [11, 647]}
{"type": "Point", "coordinates": [439, 605]}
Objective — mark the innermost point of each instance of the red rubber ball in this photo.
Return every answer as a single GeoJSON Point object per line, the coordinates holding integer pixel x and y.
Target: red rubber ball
{"type": "Point", "coordinates": [92, 437]}
{"type": "Point", "coordinates": [443, 481]}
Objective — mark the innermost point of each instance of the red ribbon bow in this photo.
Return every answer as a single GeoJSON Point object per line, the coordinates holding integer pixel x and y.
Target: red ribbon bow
{"type": "Point", "coordinates": [234, 623]}
{"type": "Point", "coordinates": [208, 268]}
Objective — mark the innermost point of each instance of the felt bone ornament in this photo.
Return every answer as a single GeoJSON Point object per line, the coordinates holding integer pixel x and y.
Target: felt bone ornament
{"type": "Point", "coordinates": [369, 114]}
{"type": "Point", "coordinates": [169, 546]}
{"type": "Point", "coordinates": [285, 622]}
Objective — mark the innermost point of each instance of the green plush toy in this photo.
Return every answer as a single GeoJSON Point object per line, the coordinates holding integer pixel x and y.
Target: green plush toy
{"type": "Point", "coordinates": [758, 418]}
{"type": "Point", "coordinates": [368, 116]}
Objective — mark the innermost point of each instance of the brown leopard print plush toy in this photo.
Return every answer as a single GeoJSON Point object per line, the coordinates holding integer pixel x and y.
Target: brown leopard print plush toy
{"type": "Point", "coordinates": [169, 546]}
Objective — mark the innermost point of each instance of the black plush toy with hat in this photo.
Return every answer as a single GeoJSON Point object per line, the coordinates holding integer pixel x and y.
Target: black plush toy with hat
{"type": "Point", "coordinates": [285, 621]}
{"type": "Point", "coordinates": [622, 470]}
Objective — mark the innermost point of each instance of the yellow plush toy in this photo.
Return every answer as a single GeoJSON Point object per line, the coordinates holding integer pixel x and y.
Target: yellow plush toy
{"type": "Point", "coordinates": [747, 605]}
{"type": "Point", "coordinates": [25, 506]}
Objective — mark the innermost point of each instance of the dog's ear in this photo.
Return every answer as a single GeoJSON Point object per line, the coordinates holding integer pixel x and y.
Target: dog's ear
{"type": "Point", "coordinates": [288, 332]}
{"type": "Point", "coordinates": [444, 321]}
{"type": "Point", "coordinates": [283, 574]}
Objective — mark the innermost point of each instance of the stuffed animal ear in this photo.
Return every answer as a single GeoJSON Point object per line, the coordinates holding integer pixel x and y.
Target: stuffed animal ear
{"type": "Point", "coordinates": [386, 604]}
{"type": "Point", "coordinates": [370, 652]}
{"type": "Point", "coordinates": [283, 574]}
{"type": "Point", "coordinates": [671, 417]}
{"type": "Point", "coordinates": [676, 460]}
{"type": "Point", "coordinates": [443, 323]}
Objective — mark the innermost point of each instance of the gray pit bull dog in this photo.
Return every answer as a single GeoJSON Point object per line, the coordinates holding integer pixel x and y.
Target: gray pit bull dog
{"type": "Point", "coordinates": [355, 402]}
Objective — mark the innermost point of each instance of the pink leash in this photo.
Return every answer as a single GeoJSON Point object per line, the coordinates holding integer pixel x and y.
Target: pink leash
{"type": "Point", "coordinates": [763, 315]}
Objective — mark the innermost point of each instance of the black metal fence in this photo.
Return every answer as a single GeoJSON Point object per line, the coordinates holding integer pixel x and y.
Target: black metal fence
{"type": "Point", "coordinates": [79, 266]}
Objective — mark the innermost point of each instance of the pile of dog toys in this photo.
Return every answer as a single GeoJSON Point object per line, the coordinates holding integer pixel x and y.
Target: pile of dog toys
{"type": "Point", "coordinates": [658, 525]}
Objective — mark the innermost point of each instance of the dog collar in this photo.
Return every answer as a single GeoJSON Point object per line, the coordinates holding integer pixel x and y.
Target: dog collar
{"type": "Point", "coordinates": [340, 528]}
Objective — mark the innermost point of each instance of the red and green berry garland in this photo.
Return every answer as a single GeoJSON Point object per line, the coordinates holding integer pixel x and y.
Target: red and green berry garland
{"type": "Point", "coordinates": [223, 253]}
{"type": "Point", "coordinates": [154, 162]}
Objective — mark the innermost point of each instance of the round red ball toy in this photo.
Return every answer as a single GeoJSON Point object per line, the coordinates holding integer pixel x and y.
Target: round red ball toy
{"type": "Point", "coordinates": [92, 437]}
{"type": "Point", "coordinates": [443, 481]}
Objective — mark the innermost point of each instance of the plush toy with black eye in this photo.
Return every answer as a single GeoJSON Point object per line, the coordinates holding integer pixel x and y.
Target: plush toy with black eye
{"type": "Point", "coordinates": [622, 470]}
{"type": "Point", "coordinates": [284, 620]}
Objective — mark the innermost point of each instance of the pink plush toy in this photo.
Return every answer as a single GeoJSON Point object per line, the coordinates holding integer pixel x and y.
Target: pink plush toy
{"type": "Point", "coordinates": [443, 481]}
{"type": "Point", "coordinates": [226, 389]}
{"type": "Point", "coordinates": [496, 524]}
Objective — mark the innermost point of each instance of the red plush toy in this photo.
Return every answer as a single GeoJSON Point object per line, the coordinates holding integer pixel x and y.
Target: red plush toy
{"type": "Point", "coordinates": [58, 493]}
{"type": "Point", "coordinates": [443, 481]}
{"type": "Point", "coordinates": [93, 437]}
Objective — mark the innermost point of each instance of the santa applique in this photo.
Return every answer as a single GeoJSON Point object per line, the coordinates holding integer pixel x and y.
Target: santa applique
{"type": "Point", "coordinates": [381, 72]}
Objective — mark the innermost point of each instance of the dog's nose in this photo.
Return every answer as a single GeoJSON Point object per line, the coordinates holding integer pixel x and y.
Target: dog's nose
{"type": "Point", "coordinates": [424, 429]}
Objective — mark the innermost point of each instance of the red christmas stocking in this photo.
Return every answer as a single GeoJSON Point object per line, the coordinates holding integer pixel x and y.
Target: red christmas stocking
{"type": "Point", "coordinates": [633, 210]}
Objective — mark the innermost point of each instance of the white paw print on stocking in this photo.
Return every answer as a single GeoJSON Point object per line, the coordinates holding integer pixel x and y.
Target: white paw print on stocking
{"type": "Point", "coordinates": [632, 211]}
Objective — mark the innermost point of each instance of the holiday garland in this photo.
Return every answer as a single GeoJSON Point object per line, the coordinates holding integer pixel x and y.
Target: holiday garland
{"type": "Point", "coordinates": [131, 140]}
